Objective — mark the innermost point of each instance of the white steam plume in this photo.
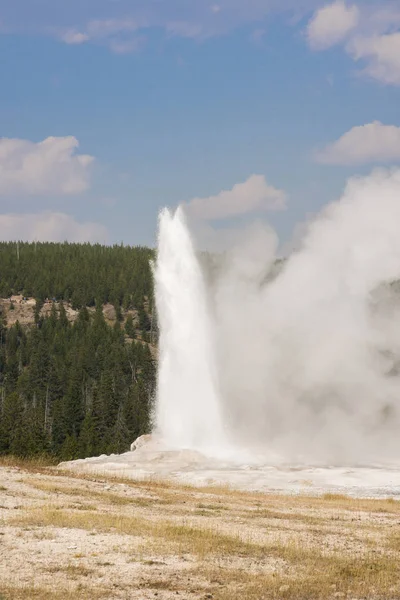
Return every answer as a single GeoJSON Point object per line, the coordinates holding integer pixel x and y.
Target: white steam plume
{"type": "Point", "coordinates": [303, 362]}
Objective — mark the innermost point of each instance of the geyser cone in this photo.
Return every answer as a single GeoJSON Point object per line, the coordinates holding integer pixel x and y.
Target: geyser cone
{"type": "Point", "coordinates": [188, 406]}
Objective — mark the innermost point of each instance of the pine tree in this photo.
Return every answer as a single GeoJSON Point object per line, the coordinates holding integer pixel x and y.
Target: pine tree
{"type": "Point", "coordinates": [118, 311]}
{"type": "Point", "coordinates": [12, 425]}
{"type": "Point", "coordinates": [120, 434]}
{"type": "Point", "coordinates": [74, 409]}
{"type": "Point", "coordinates": [129, 327]}
{"type": "Point", "coordinates": [63, 319]}
{"type": "Point", "coordinates": [144, 320]}
{"type": "Point", "coordinates": [70, 448]}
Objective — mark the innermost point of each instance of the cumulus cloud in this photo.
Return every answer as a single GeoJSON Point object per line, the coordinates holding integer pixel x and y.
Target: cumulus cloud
{"type": "Point", "coordinates": [369, 32]}
{"type": "Point", "coordinates": [253, 195]}
{"type": "Point", "coordinates": [50, 227]}
{"type": "Point", "coordinates": [382, 53]}
{"type": "Point", "coordinates": [331, 24]}
{"type": "Point", "coordinates": [373, 142]}
{"type": "Point", "coordinates": [47, 167]}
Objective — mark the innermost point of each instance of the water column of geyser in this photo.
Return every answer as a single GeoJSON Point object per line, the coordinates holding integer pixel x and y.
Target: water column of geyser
{"type": "Point", "coordinates": [188, 407]}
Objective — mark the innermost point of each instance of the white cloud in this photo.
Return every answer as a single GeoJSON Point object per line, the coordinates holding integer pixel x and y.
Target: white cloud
{"type": "Point", "coordinates": [383, 54]}
{"type": "Point", "coordinates": [383, 18]}
{"type": "Point", "coordinates": [369, 32]}
{"type": "Point", "coordinates": [255, 194]}
{"type": "Point", "coordinates": [47, 167]}
{"type": "Point", "coordinates": [331, 24]}
{"type": "Point", "coordinates": [50, 227]}
{"type": "Point", "coordinates": [119, 34]}
{"type": "Point", "coordinates": [74, 37]}
{"type": "Point", "coordinates": [369, 143]}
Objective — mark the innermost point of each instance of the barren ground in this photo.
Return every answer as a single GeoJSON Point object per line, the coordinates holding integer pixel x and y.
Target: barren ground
{"type": "Point", "coordinates": [80, 536]}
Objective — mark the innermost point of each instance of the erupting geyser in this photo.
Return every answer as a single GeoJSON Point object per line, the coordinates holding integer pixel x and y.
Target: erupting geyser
{"type": "Point", "coordinates": [188, 404]}
{"type": "Point", "coordinates": [303, 365]}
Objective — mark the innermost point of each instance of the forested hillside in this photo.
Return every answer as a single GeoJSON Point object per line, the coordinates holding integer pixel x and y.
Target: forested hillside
{"type": "Point", "coordinates": [82, 274]}
{"type": "Point", "coordinates": [80, 386]}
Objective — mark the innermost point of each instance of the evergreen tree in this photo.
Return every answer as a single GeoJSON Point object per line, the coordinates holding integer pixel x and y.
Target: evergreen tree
{"type": "Point", "coordinates": [120, 434]}
{"type": "Point", "coordinates": [12, 425]}
{"type": "Point", "coordinates": [70, 448]}
{"type": "Point", "coordinates": [144, 320]}
{"type": "Point", "coordinates": [129, 327]}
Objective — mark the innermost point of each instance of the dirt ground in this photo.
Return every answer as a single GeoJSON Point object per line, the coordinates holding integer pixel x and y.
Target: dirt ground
{"type": "Point", "coordinates": [69, 536]}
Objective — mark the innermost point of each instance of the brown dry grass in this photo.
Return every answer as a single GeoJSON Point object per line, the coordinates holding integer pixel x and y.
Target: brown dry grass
{"type": "Point", "coordinates": [28, 464]}
{"type": "Point", "coordinates": [135, 540]}
{"type": "Point", "coordinates": [29, 592]}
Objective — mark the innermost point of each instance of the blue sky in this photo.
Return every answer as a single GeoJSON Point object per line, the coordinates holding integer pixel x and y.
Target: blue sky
{"type": "Point", "coordinates": [111, 109]}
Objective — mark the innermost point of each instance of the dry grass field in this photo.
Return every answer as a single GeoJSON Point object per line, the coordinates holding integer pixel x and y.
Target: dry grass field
{"type": "Point", "coordinates": [83, 537]}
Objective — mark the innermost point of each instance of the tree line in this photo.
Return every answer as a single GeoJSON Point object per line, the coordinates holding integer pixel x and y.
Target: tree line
{"type": "Point", "coordinates": [81, 274]}
{"type": "Point", "coordinates": [73, 390]}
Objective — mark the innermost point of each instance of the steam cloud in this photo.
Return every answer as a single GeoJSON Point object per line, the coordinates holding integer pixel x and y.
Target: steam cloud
{"type": "Point", "coordinates": [299, 365]}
